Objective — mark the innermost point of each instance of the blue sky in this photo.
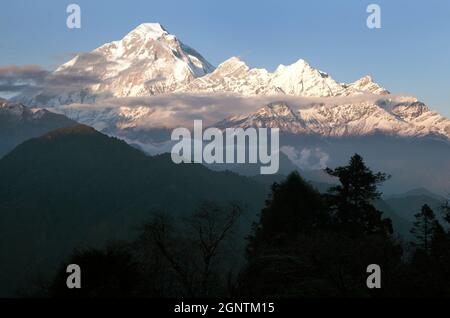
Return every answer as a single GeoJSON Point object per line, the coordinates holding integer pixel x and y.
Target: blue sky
{"type": "Point", "coordinates": [409, 54]}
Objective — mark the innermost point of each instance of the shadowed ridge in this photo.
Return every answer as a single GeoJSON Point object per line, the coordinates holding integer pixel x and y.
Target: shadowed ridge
{"type": "Point", "coordinates": [74, 130]}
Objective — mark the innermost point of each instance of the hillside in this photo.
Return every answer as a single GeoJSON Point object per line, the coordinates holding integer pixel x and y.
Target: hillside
{"type": "Point", "coordinates": [76, 187]}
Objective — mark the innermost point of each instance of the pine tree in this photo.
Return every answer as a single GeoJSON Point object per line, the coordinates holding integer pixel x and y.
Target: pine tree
{"type": "Point", "coordinates": [351, 202]}
{"type": "Point", "coordinates": [424, 228]}
{"type": "Point", "coordinates": [294, 207]}
{"type": "Point", "coordinates": [446, 208]}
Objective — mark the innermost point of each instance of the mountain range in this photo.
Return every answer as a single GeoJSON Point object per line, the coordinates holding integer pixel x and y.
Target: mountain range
{"type": "Point", "coordinates": [147, 83]}
{"type": "Point", "coordinates": [150, 61]}
{"type": "Point", "coordinates": [395, 116]}
{"type": "Point", "coordinates": [65, 185]}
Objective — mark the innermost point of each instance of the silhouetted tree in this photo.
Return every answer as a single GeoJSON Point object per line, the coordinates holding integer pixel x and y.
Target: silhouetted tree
{"type": "Point", "coordinates": [282, 249]}
{"type": "Point", "coordinates": [191, 248]}
{"type": "Point", "coordinates": [160, 243]}
{"type": "Point", "coordinates": [307, 244]}
{"type": "Point", "coordinates": [424, 228]}
{"type": "Point", "coordinates": [429, 271]}
{"type": "Point", "coordinates": [446, 210]}
{"type": "Point", "coordinates": [211, 226]}
{"type": "Point", "coordinates": [351, 202]}
{"type": "Point", "coordinates": [294, 206]}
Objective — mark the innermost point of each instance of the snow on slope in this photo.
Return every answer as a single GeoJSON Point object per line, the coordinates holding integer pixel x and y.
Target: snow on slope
{"type": "Point", "coordinates": [365, 84]}
{"type": "Point", "coordinates": [274, 115]}
{"type": "Point", "coordinates": [150, 61]}
{"type": "Point", "coordinates": [298, 79]}
{"type": "Point", "coordinates": [147, 61]}
{"type": "Point", "coordinates": [387, 116]}
{"type": "Point", "coordinates": [15, 112]}
{"type": "Point", "coordinates": [19, 123]}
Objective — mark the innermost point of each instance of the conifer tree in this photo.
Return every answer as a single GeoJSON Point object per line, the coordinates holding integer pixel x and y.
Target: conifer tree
{"type": "Point", "coordinates": [351, 202]}
{"type": "Point", "coordinates": [424, 228]}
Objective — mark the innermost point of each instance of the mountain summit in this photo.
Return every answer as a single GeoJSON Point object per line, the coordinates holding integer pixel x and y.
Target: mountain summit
{"type": "Point", "coordinates": [151, 61]}
{"type": "Point", "coordinates": [150, 30]}
{"type": "Point", "coordinates": [297, 79]}
{"type": "Point", "coordinates": [147, 61]}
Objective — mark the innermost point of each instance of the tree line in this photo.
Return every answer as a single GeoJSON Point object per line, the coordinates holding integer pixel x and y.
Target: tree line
{"type": "Point", "coordinates": [303, 244]}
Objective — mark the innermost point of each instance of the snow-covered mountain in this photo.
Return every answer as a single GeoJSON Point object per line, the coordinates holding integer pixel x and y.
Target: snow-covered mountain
{"type": "Point", "coordinates": [147, 61]}
{"type": "Point", "coordinates": [397, 116]}
{"type": "Point", "coordinates": [17, 113]}
{"type": "Point", "coordinates": [274, 115]}
{"type": "Point", "coordinates": [298, 79]}
{"type": "Point", "coordinates": [19, 123]}
{"type": "Point", "coordinates": [140, 87]}
{"type": "Point", "coordinates": [150, 61]}
{"type": "Point", "coordinates": [365, 84]}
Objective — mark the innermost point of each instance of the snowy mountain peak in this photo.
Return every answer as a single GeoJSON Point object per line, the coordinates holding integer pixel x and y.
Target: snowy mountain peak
{"type": "Point", "coordinates": [366, 79]}
{"type": "Point", "coordinates": [232, 64]}
{"type": "Point", "coordinates": [147, 61]}
{"type": "Point", "coordinates": [150, 61]}
{"type": "Point", "coordinates": [234, 60]}
{"type": "Point", "coordinates": [12, 108]}
{"type": "Point", "coordinates": [299, 65]}
{"type": "Point", "coordinates": [299, 79]}
{"type": "Point", "coordinates": [366, 84]}
{"type": "Point", "coordinates": [302, 79]}
{"type": "Point", "coordinates": [19, 112]}
{"type": "Point", "coordinates": [149, 30]}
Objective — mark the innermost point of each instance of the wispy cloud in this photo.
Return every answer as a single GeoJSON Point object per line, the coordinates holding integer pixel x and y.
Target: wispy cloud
{"type": "Point", "coordinates": [181, 109]}
{"type": "Point", "coordinates": [33, 78]}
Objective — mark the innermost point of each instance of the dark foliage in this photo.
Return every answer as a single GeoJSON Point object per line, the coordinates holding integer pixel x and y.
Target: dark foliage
{"type": "Point", "coordinates": [351, 202]}
{"type": "Point", "coordinates": [76, 188]}
{"type": "Point", "coordinates": [306, 244]}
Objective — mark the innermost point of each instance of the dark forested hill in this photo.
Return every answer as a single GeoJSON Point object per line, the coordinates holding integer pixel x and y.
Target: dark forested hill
{"type": "Point", "coordinates": [75, 187]}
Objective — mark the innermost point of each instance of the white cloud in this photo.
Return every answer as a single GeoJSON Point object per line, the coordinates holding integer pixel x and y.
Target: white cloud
{"type": "Point", "coordinates": [172, 110]}
{"type": "Point", "coordinates": [307, 158]}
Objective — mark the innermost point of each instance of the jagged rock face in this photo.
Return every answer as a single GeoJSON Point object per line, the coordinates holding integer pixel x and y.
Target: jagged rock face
{"type": "Point", "coordinates": [148, 61]}
{"type": "Point", "coordinates": [18, 113]}
{"type": "Point", "coordinates": [19, 123]}
{"type": "Point", "coordinates": [409, 119]}
{"type": "Point", "coordinates": [275, 115]}
{"type": "Point", "coordinates": [298, 79]}
{"type": "Point", "coordinates": [391, 116]}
